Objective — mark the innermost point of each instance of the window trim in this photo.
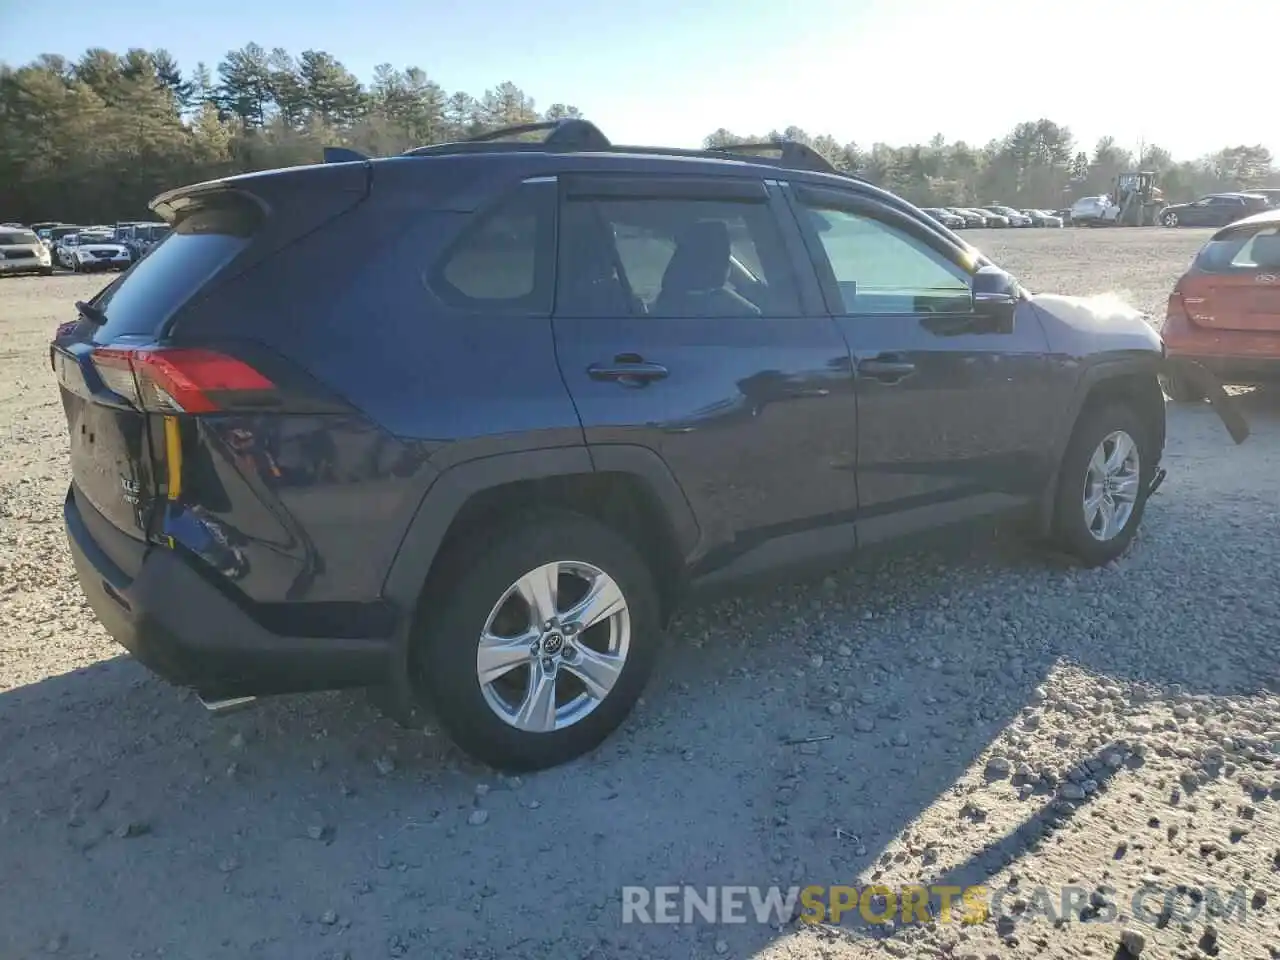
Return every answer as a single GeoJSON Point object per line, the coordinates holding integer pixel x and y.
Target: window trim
{"type": "Point", "coordinates": [539, 302]}
{"type": "Point", "coordinates": [663, 186]}
{"type": "Point", "coordinates": [803, 196]}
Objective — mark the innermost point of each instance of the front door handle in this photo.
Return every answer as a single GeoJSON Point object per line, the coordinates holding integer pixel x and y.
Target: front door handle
{"type": "Point", "coordinates": [628, 369]}
{"type": "Point", "coordinates": [889, 367]}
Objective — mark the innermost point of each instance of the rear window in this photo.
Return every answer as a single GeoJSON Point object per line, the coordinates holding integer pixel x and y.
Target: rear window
{"type": "Point", "coordinates": [200, 245]}
{"type": "Point", "coordinates": [20, 238]}
{"type": "Point", "coordinates": [1247, 249]}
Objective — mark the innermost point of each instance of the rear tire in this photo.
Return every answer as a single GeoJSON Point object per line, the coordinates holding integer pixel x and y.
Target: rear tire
{"type": "Point", "coordinates": [1087, 477]}
{"type": "Point", "coordinates": [498, 722]}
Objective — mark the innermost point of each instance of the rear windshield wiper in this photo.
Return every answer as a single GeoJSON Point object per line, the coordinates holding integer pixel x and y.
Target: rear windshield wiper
{"type": "Point", "coordinates": [91, 313]}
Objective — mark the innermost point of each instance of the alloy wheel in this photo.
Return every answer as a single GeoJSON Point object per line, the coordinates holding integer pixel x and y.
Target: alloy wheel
{"type": "Point", "coordinates": [553, 646]}
{"type": "Point", "coordinates": [1111, 486]}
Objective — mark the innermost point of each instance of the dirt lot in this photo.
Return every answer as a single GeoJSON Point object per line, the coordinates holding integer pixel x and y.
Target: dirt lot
{"type": "Point", "coordinates": [992, 716]}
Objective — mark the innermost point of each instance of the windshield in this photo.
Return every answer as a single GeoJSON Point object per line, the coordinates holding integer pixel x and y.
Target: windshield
{"type": "Point", "coordinates": [18, 238]}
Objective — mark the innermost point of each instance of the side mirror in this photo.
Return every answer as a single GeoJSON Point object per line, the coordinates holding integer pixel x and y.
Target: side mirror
{"type": "Point", "coordinates": [995, 296]}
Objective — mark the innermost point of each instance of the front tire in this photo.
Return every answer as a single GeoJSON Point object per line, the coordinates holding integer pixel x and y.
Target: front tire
{"type": "Point", "coordinates": [540, 642]}
{"type": "Point", "coordinates": [1103, 483]}
{"type": "Point", "coordinates": [1169, 219]}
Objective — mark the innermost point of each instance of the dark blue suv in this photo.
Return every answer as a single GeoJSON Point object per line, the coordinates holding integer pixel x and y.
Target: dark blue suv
{"type": "Point", "coordinates": [464, 425]}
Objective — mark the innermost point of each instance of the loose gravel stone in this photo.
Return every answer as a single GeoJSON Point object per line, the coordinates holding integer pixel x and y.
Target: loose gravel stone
{"type": "Point", "coordinates": [1133, 942]}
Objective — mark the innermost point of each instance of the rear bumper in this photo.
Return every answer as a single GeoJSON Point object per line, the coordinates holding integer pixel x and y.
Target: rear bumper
{"type": "Point", "coordinates": [182, 627]}
{"type": "Point", "coordinates": [1236, 370]}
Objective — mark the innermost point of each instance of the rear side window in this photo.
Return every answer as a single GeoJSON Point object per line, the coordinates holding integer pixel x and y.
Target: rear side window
{"type": "Point", "coordinates": [504, 261]}
{"type": "Point", "coordinates": [200, 245]}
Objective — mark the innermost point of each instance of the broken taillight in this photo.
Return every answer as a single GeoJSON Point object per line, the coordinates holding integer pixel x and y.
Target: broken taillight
{"type": "Point", "coordinates": [177, 380]}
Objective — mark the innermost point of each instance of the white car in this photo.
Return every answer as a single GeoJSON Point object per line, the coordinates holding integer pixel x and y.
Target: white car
{"type": "Point", "coordinates": [86, 253]}
{"type": "Point", "coordinates": [1094, 210]}
{"type": "Point", "coordinates": [22, 252]}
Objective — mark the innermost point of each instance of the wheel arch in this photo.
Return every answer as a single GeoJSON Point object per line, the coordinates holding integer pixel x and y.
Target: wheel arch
{"type": "Point", "coordinates": [481, 492]}
{"type": "Point", "coordinates": [629, 488]}
{"type": "Point", "coordinates": [1131, 380]}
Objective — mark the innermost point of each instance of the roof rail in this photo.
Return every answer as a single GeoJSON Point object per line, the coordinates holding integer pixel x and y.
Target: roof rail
{"type": "Point", "coordinates": [567, 136]}
{"type": "Point", "coordinates": [573, 135]}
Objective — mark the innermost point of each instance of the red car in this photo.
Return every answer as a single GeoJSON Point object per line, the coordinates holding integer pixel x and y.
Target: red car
{"type": "Point", "coordinates": [1224, 312]}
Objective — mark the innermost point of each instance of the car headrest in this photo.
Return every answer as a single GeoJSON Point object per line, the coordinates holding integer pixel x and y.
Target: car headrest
{"type": "Point", "coordinates": [701, 258]}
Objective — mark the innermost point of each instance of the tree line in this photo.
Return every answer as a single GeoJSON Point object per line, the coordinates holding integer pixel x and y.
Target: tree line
{"type": "Point", "coordinates": [93, 139]}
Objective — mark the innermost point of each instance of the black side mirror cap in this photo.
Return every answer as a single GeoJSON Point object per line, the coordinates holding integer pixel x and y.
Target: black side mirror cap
{"type": "Point", "coordinates": [995, 295]}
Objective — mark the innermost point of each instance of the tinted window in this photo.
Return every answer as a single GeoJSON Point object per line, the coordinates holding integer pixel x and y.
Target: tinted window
{"type": "Point", "coordinates": [18, 239]}
{"type": "Point", "coordinates": [503, 261]}
{"type": "Point", "coordinates": [673, 259]}
{"type": "Point", "coordinates": [204, 242]}
{"type": "Point", "coordinates": [1242, 249]}
{"type": "Point", "coordinates": [880, 269]}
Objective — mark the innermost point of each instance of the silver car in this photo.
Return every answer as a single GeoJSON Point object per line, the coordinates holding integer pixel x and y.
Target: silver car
{"type": "Point", "coordinates": [90, 252]}
{"type": "Point", "coordinates": [22, 252]}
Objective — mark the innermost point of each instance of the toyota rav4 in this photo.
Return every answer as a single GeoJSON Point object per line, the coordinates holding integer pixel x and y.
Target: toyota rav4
{"type": "Point", "coordinates": [476, 459]}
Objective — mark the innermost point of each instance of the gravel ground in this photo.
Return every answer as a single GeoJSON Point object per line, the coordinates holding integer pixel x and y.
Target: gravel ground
{"type": "Point", "coordinates": [990, 716]}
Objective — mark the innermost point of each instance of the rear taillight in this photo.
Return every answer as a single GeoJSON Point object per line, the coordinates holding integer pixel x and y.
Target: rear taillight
{"type": "Point", "coordinates": [177, 380]}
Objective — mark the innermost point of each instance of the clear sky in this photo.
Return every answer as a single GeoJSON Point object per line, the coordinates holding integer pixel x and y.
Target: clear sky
{"type": "Point", "coordinates": [1177, 73]}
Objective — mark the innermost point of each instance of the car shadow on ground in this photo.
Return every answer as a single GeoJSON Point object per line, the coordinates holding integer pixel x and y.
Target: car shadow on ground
{"type": "Point", "coordinates": [788, 737]}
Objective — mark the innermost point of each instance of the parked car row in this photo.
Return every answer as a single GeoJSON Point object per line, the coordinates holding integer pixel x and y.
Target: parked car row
{"type": "Point", "coordinates": [995, 215]}
{"type": "Point", "coordinates": [42, 246]}
{"type": "Point", "coordinates": [1213, 210]}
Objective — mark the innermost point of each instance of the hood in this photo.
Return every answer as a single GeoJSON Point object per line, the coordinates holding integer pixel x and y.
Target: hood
{"type": "Point", "coordinates": [1083, 326]}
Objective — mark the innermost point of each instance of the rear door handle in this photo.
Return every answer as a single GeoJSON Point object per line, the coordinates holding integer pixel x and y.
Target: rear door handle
{"type": "Point", "coordinates": [886, 366]}
{"type": "Point", "coordinates": [628, 369]}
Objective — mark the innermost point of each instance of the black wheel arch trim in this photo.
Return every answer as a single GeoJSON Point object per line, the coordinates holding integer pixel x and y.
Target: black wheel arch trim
{"type": "Point", "coordinates": [1093, 375]}
{"type": "Point", "coordinates": [1226, 407]}
{"type": "Point", "coordinates": [451, 490]}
